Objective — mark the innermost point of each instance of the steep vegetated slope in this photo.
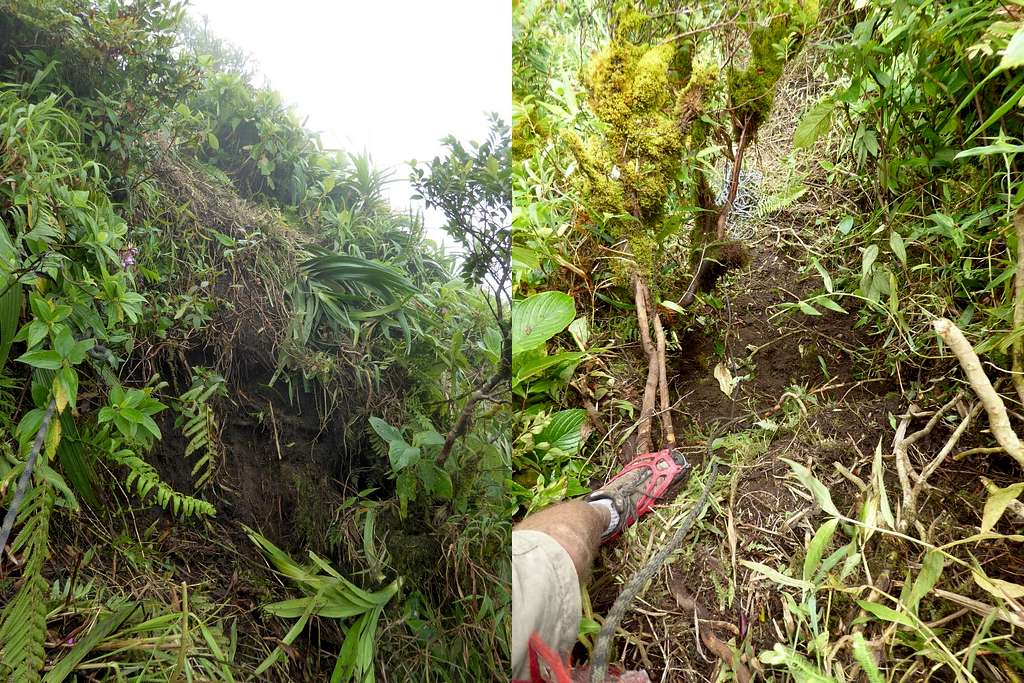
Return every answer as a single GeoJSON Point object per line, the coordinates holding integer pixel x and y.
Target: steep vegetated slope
{"type": "Point", "coordinates": [249, 421]}
{"type": "Point", "coordinates": [865, 522]}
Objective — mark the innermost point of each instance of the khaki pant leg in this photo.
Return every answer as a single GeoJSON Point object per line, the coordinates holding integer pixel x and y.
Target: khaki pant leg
{"type": "Point", "coordinates": [545, 596]}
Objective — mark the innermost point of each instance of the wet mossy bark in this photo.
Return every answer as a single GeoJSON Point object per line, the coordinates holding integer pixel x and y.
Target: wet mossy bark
{"type": "Point", "coordinates": [655, 103]}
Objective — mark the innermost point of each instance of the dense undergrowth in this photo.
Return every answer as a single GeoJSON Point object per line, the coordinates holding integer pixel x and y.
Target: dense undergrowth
{"type": "Point", "coordinates": [852, 170]}
{"type": "Point", "coordinates": [259, 414]}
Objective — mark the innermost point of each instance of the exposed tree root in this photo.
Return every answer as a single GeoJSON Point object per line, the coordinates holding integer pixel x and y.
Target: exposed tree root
{"type": "Point", "coordinates": [667, 428]}
{"type": "Point", "coordinates": [656, 386]}
{"type": "Point", "coordinates": [653, 372]}
{"type": "Point", "coordinates": [901, 449]}
{"type": "Point", "coordinates": [998, 419]}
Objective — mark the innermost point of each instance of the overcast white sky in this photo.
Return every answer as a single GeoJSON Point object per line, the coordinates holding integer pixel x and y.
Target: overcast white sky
{"type": "Point", "coordinates": [389, 76]}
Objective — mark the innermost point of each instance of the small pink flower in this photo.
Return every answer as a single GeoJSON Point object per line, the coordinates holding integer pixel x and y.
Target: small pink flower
{"type": "Point", "coordinates": [128, 256]}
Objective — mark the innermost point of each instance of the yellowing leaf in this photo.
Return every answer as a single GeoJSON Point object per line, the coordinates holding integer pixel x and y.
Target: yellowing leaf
{"type": "Point", "coordinates": [998, 500]}
{"type": "Point", "coordinates": [60, 395]}
{"type": "Point", "coordinates": [1013, 56]}
{"type": "Point", "coordinates": [725, 379]}
{"type": "Point", "coordinates": [1004, 590]}
{"type": "Point", "coordinates": [52, 437]}
{"type": "Point", "coordinates": [776, 576]}
{"type": "Point", "coordinates": [813, 486]}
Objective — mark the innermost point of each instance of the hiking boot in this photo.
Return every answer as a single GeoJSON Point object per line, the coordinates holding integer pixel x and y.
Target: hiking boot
{"type": "Point", "coordinates": [642, 483]}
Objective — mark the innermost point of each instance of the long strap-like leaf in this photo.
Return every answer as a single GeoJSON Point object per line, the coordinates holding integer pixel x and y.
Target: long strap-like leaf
{"type": "Point", "coordinates": [10, 311]}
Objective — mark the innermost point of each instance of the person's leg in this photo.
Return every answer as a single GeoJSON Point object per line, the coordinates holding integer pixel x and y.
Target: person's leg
{"type": "Point", "coordinates": [576, 526]}
{"type": "Point", "coordinates": [553, 551]}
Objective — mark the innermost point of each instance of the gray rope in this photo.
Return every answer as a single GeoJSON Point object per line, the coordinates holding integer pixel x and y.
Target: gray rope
{"type": "Point", "coordinates": [26, 475]}
{"type": "Point", "coordinates": [599, 661]}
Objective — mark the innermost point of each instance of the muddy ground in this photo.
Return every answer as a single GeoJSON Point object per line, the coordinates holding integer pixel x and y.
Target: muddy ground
{"type": "Point", "coordinates": [840, 413]}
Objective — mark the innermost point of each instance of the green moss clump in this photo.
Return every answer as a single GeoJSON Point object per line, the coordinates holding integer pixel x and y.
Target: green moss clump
{"type": "Point", "coordinates": [692, 98]}
{"type": "Point", "coordinates": [529, 128]}
{"type": "Point", "coordinates": [630, 170]}
{"type": "Point", "coordinates": [752, 89]}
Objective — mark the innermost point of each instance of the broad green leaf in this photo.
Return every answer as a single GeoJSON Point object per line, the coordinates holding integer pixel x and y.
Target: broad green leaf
{"type": "Point", "coordinates": [47, 360]}
{"type": "Point", "coordinates": [64, 341]}
{"type": "Point", "coordinates": [132, 414]}
{"type": "Point", "coordinates": [813, 486]}
{"type": "Point", "coordinates": [897, 246]}
{"type": "Point", "coordinates": [563, 431]}
{"type": "Point", "coordinates": [10, 311]}
{"type": "Point", "coordinates": [536, 366]}
{"type": "Point", "coordinates": [524, 259]}
{"type": "Point", "coordinates": [436, 480]}
{"type": "Point", "coordinates": [825, 277]}
{"type": "Point", "coordinates": [868, 259]}
{"type": "Point", "coordinates": [402, 455]}
{"type": "Point", "coordinates": [998, 500]}
{"type": "Point", "coordinates": [580, 331]}
{"type": "Point", "coordinates": [776, 576]}
{"type": "Point", "coordinates": [814, 123]}
{"type": "Point", "coordinates": [886, 613]}
{"type": "Point", "coordinates": [429, 437]}
{"type": "Point", "coordinates": [538, 318]}
{"type": "Point", "coordinates": [830, 304]}
{"type": "Point", "coordinates": [149, 424]}
{"type": "Point", "coordinates": [931, 570]}
{"type": "Point", "coordinates": [385, 431]}
{"type": "Point", "coordinates": [816, 548]}
{"type": "Point", "coordinates": [808, 309]}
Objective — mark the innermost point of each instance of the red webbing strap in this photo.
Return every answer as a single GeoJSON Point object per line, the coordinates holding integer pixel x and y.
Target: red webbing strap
{"type": "Point", "coordinates": [540, 652]}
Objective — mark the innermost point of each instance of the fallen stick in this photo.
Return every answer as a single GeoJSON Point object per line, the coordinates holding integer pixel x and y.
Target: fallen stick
{"type": "Point", "coordinates": [26, 476]}
{"type": "Point", "coordinates": [1018, 305]}
{"type": "Point", "coordinates": [998, 420]}
{"type": "Point", "coordinates": [911, 511]}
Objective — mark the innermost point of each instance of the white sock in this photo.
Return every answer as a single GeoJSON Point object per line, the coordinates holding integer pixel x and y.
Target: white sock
{"type": "Point", "coordinates": [613, 514]}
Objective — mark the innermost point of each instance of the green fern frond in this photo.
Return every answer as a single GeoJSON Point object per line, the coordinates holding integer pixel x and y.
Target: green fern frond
{"type": "Point", "coordinates": [200, 429]}
{"type": "Point", "coordinates": [867, 663]}
{"type": "Point", "coordinates": [23, 620]}
{"type": "Point", "coordinates": [379, 445]}
{"type": "Point", "coordinates": [145, 480]}
{"type": "Point", "coordinates": [780, 200]}
{"type": "Point", "coordinates": [198, 424]}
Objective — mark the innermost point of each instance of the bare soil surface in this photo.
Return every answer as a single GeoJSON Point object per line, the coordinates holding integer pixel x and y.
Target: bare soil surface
{"type": "Point", "coordinates": [812, 376]}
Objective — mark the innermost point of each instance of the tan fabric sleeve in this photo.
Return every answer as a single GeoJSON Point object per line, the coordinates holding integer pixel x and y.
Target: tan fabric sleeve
{"type": "Point", "coordinates": [545, 596]}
